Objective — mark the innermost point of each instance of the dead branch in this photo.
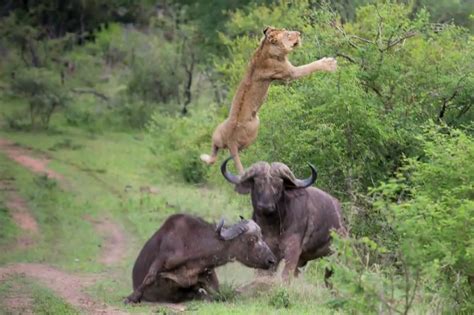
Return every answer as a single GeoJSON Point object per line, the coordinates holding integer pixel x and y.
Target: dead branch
{"type": "Point", "coordinates": [395, 42]}
{"type": "Point", "coordinates": [90, 91]}
{"type": "Point", "coordinates": [349, 58]}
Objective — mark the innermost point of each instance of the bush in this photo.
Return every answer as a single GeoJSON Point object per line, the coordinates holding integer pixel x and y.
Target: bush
{"type": "Point", "coordinates": [194, 170]}
{"type": "Point", "coordinates": [280, 298]}
{"type": "Point", "coordinates": [430, 205]}
{"type": "Point", "coordinates": [357, 124]}
{"type": "Point", "coordinates": [178, 141]}
{"type": "Point", "coordinates": [43, 91]}
{"type": "Point", "coordinates": [423, 248]}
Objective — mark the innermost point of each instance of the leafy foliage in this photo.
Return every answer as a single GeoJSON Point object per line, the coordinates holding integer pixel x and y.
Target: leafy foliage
{"type": "Point", "coordinates": [358, 123]}
{"type": "Point", "coordinates": [45, 94]}
{"type": "Point", "coordinates": [424, 242]}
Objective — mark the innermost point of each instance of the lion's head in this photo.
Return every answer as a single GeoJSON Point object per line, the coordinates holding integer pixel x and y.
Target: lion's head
{"type": "Point", "coordinates": [280, 41]}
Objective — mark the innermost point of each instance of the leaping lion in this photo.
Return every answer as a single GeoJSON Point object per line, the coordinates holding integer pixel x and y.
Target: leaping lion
{"type": "Point", "coordinates": [269, 62]}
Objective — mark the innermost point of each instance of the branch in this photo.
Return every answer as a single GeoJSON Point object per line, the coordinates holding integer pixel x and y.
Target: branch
{"type": "Point", "coordinates": [373, 88]}
{"type": "Point", "coordinates": [365, 40]}
{"type": "Point", "coordinates": [90, 91]}
{"type": "Point", "coordinates": [446, 100]}
{"type": "Point", "coordinates": [407, 35]}
{"type": "Point", "coordinates": [464, 110]}
{"type": "Point", "coordinates": [445, 105]}
{"type": "Point", "coordinates": [344, 34]}
{"type": "Point", "coordinates": [349, 58]}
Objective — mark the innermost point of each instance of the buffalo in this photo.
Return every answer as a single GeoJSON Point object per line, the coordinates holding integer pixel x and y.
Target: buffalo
{"type": "Point", "coordinates": [296, 219]}
{"type": "Point", "coordinates": [177, 263]}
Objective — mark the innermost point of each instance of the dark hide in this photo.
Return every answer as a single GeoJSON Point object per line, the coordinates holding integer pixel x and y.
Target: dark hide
{"type": "Point", "coordinates": [296, 220]}
{"type": "Point", "coordinates": [177, 263]}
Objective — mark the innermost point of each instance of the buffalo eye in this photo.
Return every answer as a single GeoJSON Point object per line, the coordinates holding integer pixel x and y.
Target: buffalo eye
{"type": "Point", "coordinates": [252, 240]}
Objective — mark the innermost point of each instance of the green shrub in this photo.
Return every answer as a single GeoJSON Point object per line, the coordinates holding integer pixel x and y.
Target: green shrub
{"type": "Point", "coordinates": [156, 71]}
{"type": "Point", "coordinates": [423, 249]}
{"type": "Point", "coordinates": [43, 91]}
{"type": "Point", "coordinates": [430, 207]}
{"type": "Point", "coordinates": [357, 124]}
{"type": "Point", "coordinates": [227, 293]}
{"type": "Point", "coordinates": [280, 298]}
{"type": "Point", "coordinates": [78, 117]}
{"type": "Point", "coordinates": [178, 142]}
{"type": "Point", "coordinates": [194, 170]}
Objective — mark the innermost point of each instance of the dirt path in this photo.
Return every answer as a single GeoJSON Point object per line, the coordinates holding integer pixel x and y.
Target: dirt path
{"type": "Point", "coordinates": [114, 247]}
{"type": "Point", "coordinates": [17, 301]}
{"type": "Point", "coordinates": [20, 213]}
{"type": "Point", "coordinates": [68, 286]}
{"type": "Point", "coordinates": [22, 156]}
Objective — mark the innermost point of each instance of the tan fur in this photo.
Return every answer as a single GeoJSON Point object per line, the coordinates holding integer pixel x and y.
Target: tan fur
{"type": "Point", "coordinates": [268, 63]}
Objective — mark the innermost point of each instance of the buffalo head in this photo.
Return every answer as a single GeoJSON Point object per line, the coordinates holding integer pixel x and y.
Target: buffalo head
{"type": "Point", "coordinates": [266, 183]}
{"type": "Point", "coordinates": [247, 246]}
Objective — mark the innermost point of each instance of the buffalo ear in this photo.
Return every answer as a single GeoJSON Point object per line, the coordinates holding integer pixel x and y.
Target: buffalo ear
{"type": "Point", "coordinates": [244, 187]}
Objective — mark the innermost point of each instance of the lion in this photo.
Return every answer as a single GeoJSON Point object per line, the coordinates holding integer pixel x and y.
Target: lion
{"type": "Point", "coordinates": [269, 62]}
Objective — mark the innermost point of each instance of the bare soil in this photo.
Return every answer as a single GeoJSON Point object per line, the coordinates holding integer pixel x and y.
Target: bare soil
{"type": "Point", "coordinates": [68, 286]}
{"type": "Point", "coordinates": [24, 157]}
{"type": "Point", "coordinates": [17, 301]}
{"type": "Point", "coordinates": [20, 213]}
{"type": "Point", "coordinates": [114, 247]}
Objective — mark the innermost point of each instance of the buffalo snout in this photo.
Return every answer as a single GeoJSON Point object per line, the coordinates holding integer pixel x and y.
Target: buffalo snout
{"type": "Point", "coordinates": [269, 258]}
{"type": "Point", "coordinates": [271, 261]}
{"type": "Point", "coordinates": [265, 207]}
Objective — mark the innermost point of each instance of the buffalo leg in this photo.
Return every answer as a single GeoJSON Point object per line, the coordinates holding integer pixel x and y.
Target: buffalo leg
{"type": "Point", "coordinates": [149, 279]}
{"type": "Point", "coordinates": [291, 253]}
{"type": "Point", "coordinates": [208, 285]}
{"type": "Point", "coordinates": [328, 272]}
{"type": "Point", "coordinates": [210, 282]}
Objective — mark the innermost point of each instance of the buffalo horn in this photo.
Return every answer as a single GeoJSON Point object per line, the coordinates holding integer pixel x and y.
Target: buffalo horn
{"type": "Point", "coordinates": [232, 232]}
{"type": "Point", "coordinates": [228, 175]}
{"type": "Point", "coordinates": [303, 183]}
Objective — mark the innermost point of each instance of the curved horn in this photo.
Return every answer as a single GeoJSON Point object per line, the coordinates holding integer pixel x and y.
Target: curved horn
{"type": "Point", "coordinates": [228, 175]}
{"type": "Point", "coordinates": [234, 231]}
{"type": "Point", "coordinates": [286, 174]}
{"type": "Point", "coordinates": [303, 183]}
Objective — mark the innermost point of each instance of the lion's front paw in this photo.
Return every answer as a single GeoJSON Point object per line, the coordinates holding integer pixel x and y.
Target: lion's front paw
{"type": "Point", "coordinates": [328, 64]}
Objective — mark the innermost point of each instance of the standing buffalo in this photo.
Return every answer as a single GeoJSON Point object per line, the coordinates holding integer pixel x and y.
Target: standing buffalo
{"type": "Point", "coordinates": [296, 220]}
{"type": "Point", "coordinates": [177, 263]}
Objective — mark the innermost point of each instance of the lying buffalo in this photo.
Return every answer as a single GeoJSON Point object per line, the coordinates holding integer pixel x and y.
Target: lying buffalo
{"type": "Point", "coordinates": [296, 219]}
{"type": "Point", "coordinates": [177, 263]}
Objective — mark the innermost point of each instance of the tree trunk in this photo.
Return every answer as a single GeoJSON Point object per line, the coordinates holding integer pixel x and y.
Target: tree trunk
{"type": "Point", "coordinates": [187, 90]}
{"type": "Point", "coordinates": [34, 56]}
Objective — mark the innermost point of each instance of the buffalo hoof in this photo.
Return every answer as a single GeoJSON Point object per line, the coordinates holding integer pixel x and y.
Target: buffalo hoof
{"type": "Point", "coordinates": [132, 299]}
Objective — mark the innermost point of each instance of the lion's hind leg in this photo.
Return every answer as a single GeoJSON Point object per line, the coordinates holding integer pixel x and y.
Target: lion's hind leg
{"type": "Point", "coordinates": [234, 151]}
{"type": "Point", "coordinates": [210, 159]}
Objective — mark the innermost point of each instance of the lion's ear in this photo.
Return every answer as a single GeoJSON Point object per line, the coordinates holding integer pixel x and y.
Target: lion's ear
{"type": "Point", "coordinates": [267, 29]}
